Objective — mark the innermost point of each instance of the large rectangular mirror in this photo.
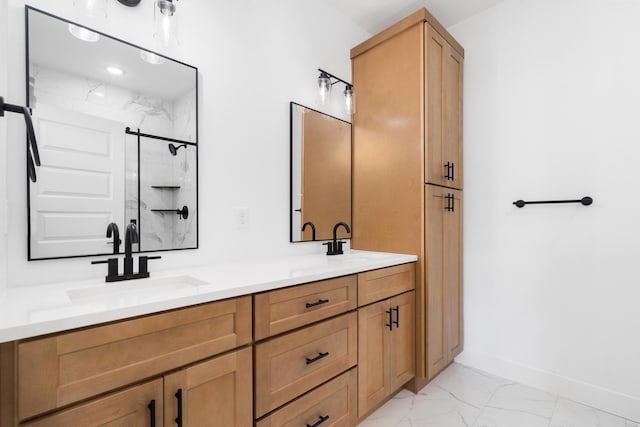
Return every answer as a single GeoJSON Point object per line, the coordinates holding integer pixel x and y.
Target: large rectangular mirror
{"type": "Point", "coordinates": [320, 174]}
{"type": "Point", "coordinates": [117, 129]}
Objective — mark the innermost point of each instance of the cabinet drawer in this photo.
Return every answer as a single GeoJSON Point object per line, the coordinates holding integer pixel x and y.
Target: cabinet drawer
{"type": "Point", "coordinates": [65, 368]}
{"type": "Point", "coordinates": [292, 364]}
{"type": "Point", "coordinates": [377, 285]}
{"type": "Point", "coordinates": [335, 402]}
{"type": "Point", "coordinates": [285, 309]}
{"type": "Point", "coordinates": [130, 407]}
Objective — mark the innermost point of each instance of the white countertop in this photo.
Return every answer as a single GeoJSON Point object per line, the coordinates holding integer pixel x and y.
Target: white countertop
{"type": "Point", "coordinates": [38, 310]}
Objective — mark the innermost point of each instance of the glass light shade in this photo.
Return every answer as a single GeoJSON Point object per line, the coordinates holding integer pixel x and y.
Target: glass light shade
{"type": "Point", "coordinates": [92, 8]}
{"type": "Point", "coordinates": [324, 86]}
{"type": "Point", "coordinates": [349, 100]}
{"type": "Point", "coordinates": [83, 34]}
{"type": "Point", "coordinates": [164, 23]}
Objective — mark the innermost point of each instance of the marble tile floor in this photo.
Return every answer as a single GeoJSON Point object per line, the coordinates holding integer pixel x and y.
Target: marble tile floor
{"type": "Point", "coordinates": [465, 397]}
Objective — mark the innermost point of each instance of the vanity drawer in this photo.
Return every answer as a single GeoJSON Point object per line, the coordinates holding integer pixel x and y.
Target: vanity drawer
{"type": "Point", "coordinates": [65, 368]}
{"type": "Point", "coordinates": [292, 364]}
{"type": "Point", "coordinates": [285, 309]}
{"type": "Point", "coordinates": [335, 402]}
{"type": "Point", "coordinates": [377, 285]}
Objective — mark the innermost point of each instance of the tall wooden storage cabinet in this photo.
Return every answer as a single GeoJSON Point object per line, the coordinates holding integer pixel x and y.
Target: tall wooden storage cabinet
{"type": "Point", "coordinates": [407, 171]}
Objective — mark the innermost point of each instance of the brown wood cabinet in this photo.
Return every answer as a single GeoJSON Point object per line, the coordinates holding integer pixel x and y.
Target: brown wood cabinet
{"type": "Point", "coordinates": [133, 407]}
{"type": "Point", "coordinates": [444, 276]}
{"type": "Point", "coordinates": [333, 404]}
{"type": "Point", "coordinates": [292, 364]}
{"type": "Point", "coordinates": [386, 358]}
{"type": "Point", "coordinates": [407, 136]}
{"type": "Point", "coordinates": [216, 392]}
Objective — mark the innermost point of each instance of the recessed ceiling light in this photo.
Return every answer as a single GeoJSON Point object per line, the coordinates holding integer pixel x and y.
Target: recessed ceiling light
{"type": "Point", "coordinates": [115, 70]}
{"type": "Point", "coordinates": [151, 58]}
{"type": "Point", "coordinates": [83, 34]}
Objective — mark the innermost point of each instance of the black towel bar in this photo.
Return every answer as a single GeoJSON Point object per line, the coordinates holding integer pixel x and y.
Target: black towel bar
{"type": "Point", "coordinates": [586, 201]}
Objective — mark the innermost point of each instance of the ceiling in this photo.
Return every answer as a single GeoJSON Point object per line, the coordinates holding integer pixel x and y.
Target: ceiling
{"type": "Point", "coordinates": [376, 15]}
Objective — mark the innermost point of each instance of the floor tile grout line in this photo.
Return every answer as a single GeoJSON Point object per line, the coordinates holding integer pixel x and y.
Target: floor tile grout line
{"type": "Point", "coordinates": [553, 413]}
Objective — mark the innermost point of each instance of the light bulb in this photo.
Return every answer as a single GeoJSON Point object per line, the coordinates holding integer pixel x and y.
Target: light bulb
{"type": "Point", "coordinates": [165, 26]}
{"type": "Point", "coordinates": [349, 100]}
{"type": "Point", "coordinates": [324, 85]}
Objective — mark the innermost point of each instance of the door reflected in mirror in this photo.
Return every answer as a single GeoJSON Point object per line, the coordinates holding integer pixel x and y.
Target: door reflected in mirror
{"type": "Point", "coordinates": [320, 174]}
{"type": "Point", "coordinates": [105, 115]}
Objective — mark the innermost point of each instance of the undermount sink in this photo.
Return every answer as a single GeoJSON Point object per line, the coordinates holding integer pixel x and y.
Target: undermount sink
{"type": "Point", "coordinates": [135, 289]}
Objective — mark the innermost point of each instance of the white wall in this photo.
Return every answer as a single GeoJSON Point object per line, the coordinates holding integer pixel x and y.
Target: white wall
{"type": "Point", "coordinates": [3, 149]}
{"type": "Point", "coordinates": [552, 93]}
{"type": "Point", "coordinates": [253, 57]}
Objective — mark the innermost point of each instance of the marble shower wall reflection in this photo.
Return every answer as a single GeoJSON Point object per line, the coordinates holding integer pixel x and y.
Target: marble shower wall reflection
{"type": "Point", "coordinates": [173, 118]}
{"type": "Point", "coordinates": [167, 182]}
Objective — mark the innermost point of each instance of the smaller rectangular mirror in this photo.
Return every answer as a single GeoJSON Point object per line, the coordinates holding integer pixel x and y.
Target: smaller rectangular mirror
{"type": "Point", "coordinates": [320, 174]}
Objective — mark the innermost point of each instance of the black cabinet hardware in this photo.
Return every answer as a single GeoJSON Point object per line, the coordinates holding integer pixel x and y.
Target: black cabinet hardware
{"type": "Point", "coordinates": [317, 303]}
{"type": "Point", "coordinates": [152, 413]}
{"type": "Point", "coordinates": [320, 421]}
{"type": "Point", "coordinates": [397, 321]}
{"type": "Point", "coordinates": [318, 357]}
{"type": "Point", "coordinates": [451, 169]}
{"type": "Point", "coordinates": [390, 324]}
{"type": "Point", "coordinates": [178, 396]}
{"type": "Point", "coordinates": [451, 202]}
{"type": "Point", "coordinates": [586, 201]}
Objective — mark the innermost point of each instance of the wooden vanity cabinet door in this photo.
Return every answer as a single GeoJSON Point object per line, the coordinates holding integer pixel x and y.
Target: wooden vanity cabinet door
{"type": "Point", "coordinates": [373, 350]}
{"type": "Point", "coordinates": [127, 408]}
{"type": "Point", "coordinates": [402, 359]}
{"type": "Point", "coordinates": [217, 392]}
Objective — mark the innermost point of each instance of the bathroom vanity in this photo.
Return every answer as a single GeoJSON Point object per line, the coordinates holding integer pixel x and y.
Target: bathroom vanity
{"type": "Point", "coordinates": [308, 339]}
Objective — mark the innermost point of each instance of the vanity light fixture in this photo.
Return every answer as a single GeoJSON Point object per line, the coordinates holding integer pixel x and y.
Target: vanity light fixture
{"type": "Point", "coordinates": [324, 85]}
{"type": "Point", "coordinates": [115, 70]}
{"type": "Point", "coordinates": [83, 33]}
{"type": "Point", "coordinates": [164, 22]}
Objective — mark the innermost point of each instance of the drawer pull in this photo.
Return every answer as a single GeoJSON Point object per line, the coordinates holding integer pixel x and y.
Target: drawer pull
{"type": "Point", "coordinates": [320, 421]}
{"type": "Point", "coordinates": [397, 321]}
{"type": "Point", "coordinates": [319, 302]}
{"type": "Point", "coordinates": [152, 411]}
{"type": "Point", "coordinates": [178, 396]}
{"type": "Point", "coordinates": [318, 357]}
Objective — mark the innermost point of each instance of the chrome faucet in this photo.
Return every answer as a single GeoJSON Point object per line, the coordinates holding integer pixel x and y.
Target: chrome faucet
{"type": "Point", "coordinates": [335, 247]}
{"type": "Point", "coordinates": [313, 229]}
{"type": "Point", "coordinates": [130, 237]}
{"type": "Point", "coordinates": [112, 230]}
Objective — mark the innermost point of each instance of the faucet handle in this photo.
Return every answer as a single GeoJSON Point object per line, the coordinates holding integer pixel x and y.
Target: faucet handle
{"type": "Point", "coordinates": [143, 266]}
{"type": "Point", "coordinates": [112, 268]}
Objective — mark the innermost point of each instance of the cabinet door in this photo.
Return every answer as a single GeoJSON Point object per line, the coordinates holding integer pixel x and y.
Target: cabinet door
{"type": "Point", "coordinates": [443, 112]}
{"type": "Point", "coordinates": [402, 348]}
{"type": "Point", "coordinates": [444, 276]}
{"type": "Point", "coordinates": [453, 115]}
{"type": "Point", "coordinates": [217, 392]}
{"type": "Point", "coordinates": [436, 204]}
{"type": "Point", "coordinates": [131, 407]}
{"type": "Point", "coordinates": [453, 277]}
{"type": "Point", "coordinates": [373, 350]}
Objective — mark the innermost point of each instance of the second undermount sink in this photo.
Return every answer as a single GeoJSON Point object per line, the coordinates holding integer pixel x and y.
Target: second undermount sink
{"type": "Point", "coordinates": [136, 289]}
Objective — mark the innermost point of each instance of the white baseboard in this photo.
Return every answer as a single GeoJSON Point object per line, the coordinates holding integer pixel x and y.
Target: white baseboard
{"type": "Point", "coordinates": [607, 400]}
